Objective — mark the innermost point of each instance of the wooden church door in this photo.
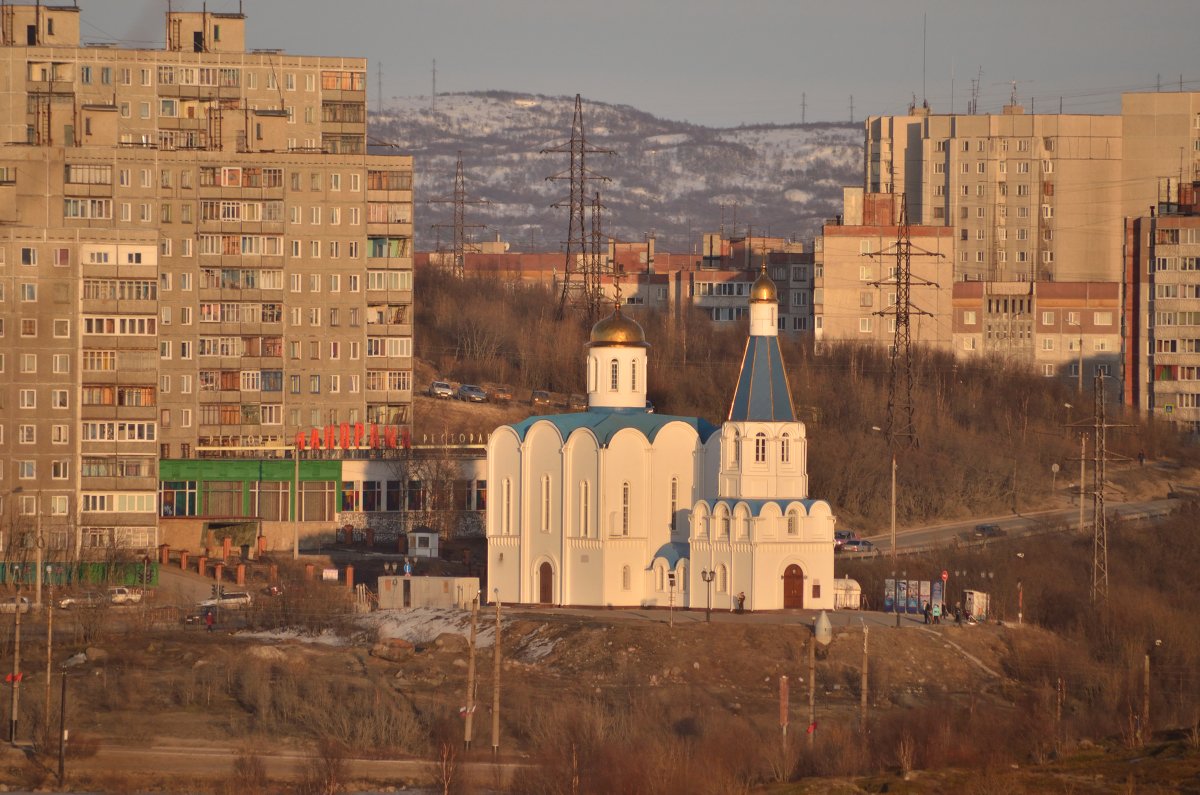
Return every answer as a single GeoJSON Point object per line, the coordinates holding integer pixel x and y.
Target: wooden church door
{"type": "Point", "coordinates": [793, 588]}
{"type": "Point", "coordinates": [546, 584]}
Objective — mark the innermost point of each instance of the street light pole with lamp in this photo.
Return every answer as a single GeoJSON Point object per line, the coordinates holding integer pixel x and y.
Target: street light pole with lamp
{"type": "Point", "coordinates": [708, 576]}
{"type": "Point", "coordinates": [880, 430]}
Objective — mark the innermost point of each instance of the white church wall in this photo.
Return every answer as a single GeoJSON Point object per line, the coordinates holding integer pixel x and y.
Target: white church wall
{"type": "Point", "coordinates": [504, 549]}
{"type": "Point", "coordinates": [541, 498]}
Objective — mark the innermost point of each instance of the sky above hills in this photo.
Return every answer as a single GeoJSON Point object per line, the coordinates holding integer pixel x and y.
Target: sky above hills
{"type": "Point", "coordinates": [719, 63]}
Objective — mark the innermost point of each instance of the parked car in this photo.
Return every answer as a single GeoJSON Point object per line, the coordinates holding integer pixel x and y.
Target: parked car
{"type": "Point", "coordinates": [440, 389]}
{"type": "Point", "coordinates": [502, 394]}
{"type": "Point", "coordinates": [472, 394]}
{"type": "Point", "coordinates": [234, 600]}
{"type": "Point", "coordinates": [540, 397]}
{"type": "Point", "coordinates": [989, 531]}
{"type": "Point", "coordinates": [14, 604]}
{"type": "Point", "coordinates": [120, 595]}
{"type": "Point", "coordinates": [840, 537]}
{"type": "Point", "coordinates": [577, 402]}
{"type": "Point", "coordinates": [857, 545]}
{"type": "Point", "coordinates": [84, 599]}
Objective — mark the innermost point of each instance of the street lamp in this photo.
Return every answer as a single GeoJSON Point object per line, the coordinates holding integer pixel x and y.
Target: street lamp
{"type": "Point", "coordinates": [708, 577]}
{"type": "Point", "coordinates": [880, 430]}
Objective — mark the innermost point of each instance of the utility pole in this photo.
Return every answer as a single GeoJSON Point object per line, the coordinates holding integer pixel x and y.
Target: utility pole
{"type": "Point", "coordinates": [812, 688]}
{"type": "Point", "coordinates": [38, 544]}
{"type": "Point", "coordinates": [1145, 732]}
{"type": "Point", "coordinates": [433, 93]}
{"type": "Point", "coordinates": [1099, 519]}
{"type": "Point", "coordinates": [1082, 473]}
{"type": "Point", "coordinates": [852, 109]}
{"type": "Point", "coordinates": [581, 278]}
{"type": "Point", "coordinates": [469, 710]}
{"type": "Point", "coordinates": [803, 106]}
{"type": "Point", "coordinates": [62, 731]}
{"type": "Point", "coordinates": [16, 676]}
{"type": "Point", "coordinates": [459, 225]}
{"type": "Point", "coordinates": [496, 687]}
{"type": "Point", "coordinates": [783, 707]}
{"type": "Point", "coordinates": [49, 655]}
{"type": "Point", "coordinates": [863, 686]}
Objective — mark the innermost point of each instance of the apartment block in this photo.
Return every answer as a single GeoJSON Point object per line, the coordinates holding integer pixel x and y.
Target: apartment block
{"type": "Point", "coordinates": [1065, 330]}
{"type": "Point", "coordinates": [1031, 197]}
{"type": "Point", "coordinates": [854, 293]}
{"type": "Point", "coordinates": [1162, 311]}
{"type": "Point", "coordinates": [231, 268]}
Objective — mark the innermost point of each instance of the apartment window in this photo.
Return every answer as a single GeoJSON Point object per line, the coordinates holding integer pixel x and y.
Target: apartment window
{"type": "Point", "coordinates": [1103, 318]}
{"type": "Point", "coordinates": [28, 327]}
{"type": "Point", "coordinates": [969, 318]}
{"type": "Point", "coordinates": [28, 292]}
{"type": "Point", "coordinates": [28, 362]}
{"type": "Point", "coordinates": [26, 470]}
{"type": "Point", "coordinates": [314, 384]}
{"type": "Point", "coordinates": [26, 434]}
{"type": "Point", "coordinates": [62, 363]}
{"type": "Point", "coordinates": [864, 324]}
{"type": "Point", "coordinates": [59, 434]}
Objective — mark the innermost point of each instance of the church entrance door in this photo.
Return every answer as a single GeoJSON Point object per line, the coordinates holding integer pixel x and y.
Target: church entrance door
{"type": "Point", "coordinates": [793, 588]}
{"type": "Point", "coordinates": [546, 584]}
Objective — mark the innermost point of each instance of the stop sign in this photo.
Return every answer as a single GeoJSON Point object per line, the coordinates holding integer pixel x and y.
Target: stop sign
{"type": "Point", "coordinates": [945, 575]}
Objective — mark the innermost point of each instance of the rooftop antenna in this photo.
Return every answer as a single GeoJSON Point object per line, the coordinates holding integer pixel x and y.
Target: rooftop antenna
{"type": "Point", "coordinates": [924, 39]}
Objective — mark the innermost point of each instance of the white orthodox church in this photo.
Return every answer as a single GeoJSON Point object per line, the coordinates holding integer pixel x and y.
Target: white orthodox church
{"type": "Point", "coordinates": [618, 506]}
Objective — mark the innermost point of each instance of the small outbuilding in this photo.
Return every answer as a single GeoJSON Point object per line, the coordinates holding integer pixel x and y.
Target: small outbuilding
{"type": "Point", "coordinates": [396, 591]}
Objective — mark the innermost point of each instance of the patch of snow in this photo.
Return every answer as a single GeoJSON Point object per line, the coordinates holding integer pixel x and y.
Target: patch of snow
{"type": "Point", "coordinates": [420, 625]}
{"type": "Point", "coordinates": [326, 638]}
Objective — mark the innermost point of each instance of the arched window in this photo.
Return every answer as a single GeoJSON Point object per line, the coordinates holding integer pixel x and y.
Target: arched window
{"type": "Point", "coordinates": [614, 368]}
{"type": "Point", "coordinates": [785, 449]}
{"type": "Point", "coordinates": [625, 508]}
{"type": "Point", "coordinates": [722, 579]}
{"type": "Point", "coordinates": [723, 526]}
{"type": "Point", "coordinates": [793, 522]}
{"type": "Point", "coordinates": [592, 365]}
{"type": "Point", "coordinates": [585, 510]}
{"type": "Point", "coordinates": [760, 448]}
{"type": "Point", "coordinates": [626, 579]}
{"type": "Point", "coordinates": [682, 577]}
{"type": "Point", "coordinates": [545, 503]}
{"type": "Point", "coordinates": [660, 578]}
{"type": "Point", "coordinates": [633, 379]}
{"type": "Point", "coordinates": [737, 448]}
{"type": "Point", "coordinates": [506, 508]}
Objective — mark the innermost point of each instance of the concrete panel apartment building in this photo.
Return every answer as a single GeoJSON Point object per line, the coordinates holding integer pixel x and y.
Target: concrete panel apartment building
{"type": "Point", "coordinates": [199, 262]}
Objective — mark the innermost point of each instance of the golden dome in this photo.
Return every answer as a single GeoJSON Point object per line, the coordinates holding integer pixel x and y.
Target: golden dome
{"type": "Point", "coordinates": [763, 288]}
{"type": "Point", "coordinates": [616, 330]}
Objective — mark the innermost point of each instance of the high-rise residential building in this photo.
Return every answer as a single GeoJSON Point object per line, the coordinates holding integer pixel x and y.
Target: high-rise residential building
{"type": "Point", "coordinates": [1162, 311]}
{"type": "Point", "coordinates": [201, 262]}
{"type": "Point", "coordinates": [1030, 196]}
{"type": "Point", "coordinates": [855, 290]}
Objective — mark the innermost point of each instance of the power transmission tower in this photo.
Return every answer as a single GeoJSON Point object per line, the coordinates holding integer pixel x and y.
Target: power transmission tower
{"type": "Point", "coordinates": [460, 201]}
{"type": "Point", "coordinates": [581, 277]}
{"type": "Point", "coordinates": [1099, 520]}
{"type": "Point", "coordinates": [901, 428]}
{"type": "Point", "coordinates": [599, 247]}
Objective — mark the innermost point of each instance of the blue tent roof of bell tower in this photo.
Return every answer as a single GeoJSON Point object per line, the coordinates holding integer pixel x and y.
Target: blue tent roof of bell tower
{"type": "Point", "coordinates": [762, 393]}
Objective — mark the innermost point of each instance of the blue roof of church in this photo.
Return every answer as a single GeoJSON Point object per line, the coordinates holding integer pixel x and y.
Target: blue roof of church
{"type": "Point", "coordinates": [756, 506]}
{"type": "Point", "coordinates": [762, 389]}
{"type": "Point", "coordinates": [673, 552]}
{"type": "Point", "coordinates": [605, 423]}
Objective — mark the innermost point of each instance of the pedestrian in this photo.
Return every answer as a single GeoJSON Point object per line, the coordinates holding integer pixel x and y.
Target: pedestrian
{"type": "Point", "coordinates": [958, 614]}
{"type": "Point", "coordinates": [741, 601]}
{"type": "Point", "coordinates": [208, 620]}
{"type": "Point", "coordinates": [928, 613]}
{"type": "Point", "coordinates": [1141, 458]}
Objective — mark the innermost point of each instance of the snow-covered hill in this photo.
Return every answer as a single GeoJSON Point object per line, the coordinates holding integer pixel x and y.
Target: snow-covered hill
{"type": "Point", "coordinates": [671, 179]}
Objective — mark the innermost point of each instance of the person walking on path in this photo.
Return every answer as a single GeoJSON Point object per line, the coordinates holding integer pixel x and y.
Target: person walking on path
{"type": "Point", "coordinates": [208, 620]}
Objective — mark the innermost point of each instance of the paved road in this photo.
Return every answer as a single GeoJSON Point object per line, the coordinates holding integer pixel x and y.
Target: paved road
{"type": "Point", "coordinates": [913, 538]}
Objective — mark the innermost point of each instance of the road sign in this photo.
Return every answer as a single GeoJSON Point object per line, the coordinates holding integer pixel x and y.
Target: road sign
{"type": "Point", "coordinates": [945, 575]}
